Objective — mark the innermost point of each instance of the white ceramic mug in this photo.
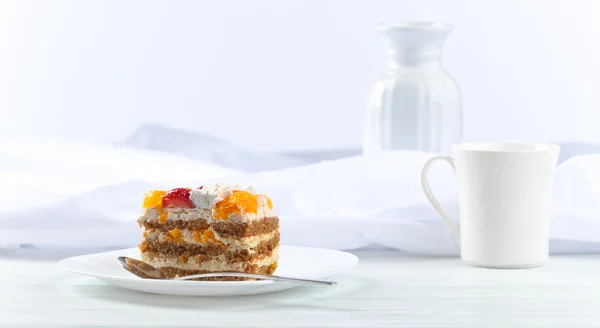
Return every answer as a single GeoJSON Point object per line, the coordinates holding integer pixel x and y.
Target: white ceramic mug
{"type": "Point", "coordinates": [504, 192]}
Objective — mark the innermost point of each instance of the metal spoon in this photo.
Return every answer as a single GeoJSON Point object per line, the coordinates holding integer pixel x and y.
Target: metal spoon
{"type": "Point", "coordinates": [146, 271]}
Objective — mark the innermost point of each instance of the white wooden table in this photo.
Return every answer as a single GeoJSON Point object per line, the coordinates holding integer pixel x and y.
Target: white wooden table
{"type": "Point", "coordinates": [387, 289]}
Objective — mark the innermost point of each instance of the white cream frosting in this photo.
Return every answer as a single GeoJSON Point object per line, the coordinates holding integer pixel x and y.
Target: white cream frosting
{"type": "Point", "coordinates": [191, 214]}
{"type": "Point", "coordinates": [210, 195]}
{"type": "Point", "coordinates": [204, 201]}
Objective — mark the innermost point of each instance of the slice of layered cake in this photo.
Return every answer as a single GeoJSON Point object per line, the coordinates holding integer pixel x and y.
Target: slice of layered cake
{"type": "Point", "coordinates": [213, 228]}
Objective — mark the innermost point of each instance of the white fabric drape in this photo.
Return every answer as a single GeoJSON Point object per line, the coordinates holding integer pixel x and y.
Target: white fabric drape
{"type": "Point", "coordinates": [75, 194]}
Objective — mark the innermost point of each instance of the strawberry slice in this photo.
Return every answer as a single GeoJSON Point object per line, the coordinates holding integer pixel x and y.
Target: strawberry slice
{"type": "Point", "coordinates": [178, 197]}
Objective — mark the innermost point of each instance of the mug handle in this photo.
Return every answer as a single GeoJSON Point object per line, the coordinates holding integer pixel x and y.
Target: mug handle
{"type": "Point", "coordinates": [425, 183]}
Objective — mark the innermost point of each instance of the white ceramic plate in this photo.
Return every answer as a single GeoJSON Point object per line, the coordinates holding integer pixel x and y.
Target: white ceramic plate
{"type": "Point", "coordinates": [300, 262]}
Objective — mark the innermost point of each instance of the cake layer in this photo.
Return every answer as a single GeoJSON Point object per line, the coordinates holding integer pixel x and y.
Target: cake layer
{"type": "Point", "coordinates": [223, 228]}
{"type": "Point", "coordinates": [215, 263]}
{"type": "Point", "coordinates": [172, 272]}
{"type": "Point", "coordinates": [204, 252]}
{"type": "Point", "coordinates": [206, 236]}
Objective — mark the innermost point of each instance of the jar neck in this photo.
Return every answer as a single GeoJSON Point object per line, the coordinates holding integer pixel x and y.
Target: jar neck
{"type": "Point", "coordinates": [414, 60]}
{"type": "Point", "coordinates": [415, 45]}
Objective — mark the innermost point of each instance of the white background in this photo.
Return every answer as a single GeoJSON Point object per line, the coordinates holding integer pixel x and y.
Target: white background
{"type": "Point", "coordinates": [286, 75]}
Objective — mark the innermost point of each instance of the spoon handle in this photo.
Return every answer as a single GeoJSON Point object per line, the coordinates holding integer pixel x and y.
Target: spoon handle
{"type": "Point", "coordinates": [256, 276]}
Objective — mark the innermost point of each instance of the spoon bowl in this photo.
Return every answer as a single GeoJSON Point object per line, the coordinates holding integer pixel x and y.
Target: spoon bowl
{"type": "Point", "coordinates": [141, 269]}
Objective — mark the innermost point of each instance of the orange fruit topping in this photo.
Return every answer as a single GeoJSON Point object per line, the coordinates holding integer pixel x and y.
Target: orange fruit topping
{"type": "Point", "coordinates": [162, 218]}
{"type": "Point", "coordinates": [204, 236]}
{"type": "Point", "coordinates": [273, 266]}
{"type": "Point", "coordinates": [269, 202]}
{"type": "Point", "coordinates": [153, 198]}
{"type": "Point", "coordinates": [143, 246]}
{"type": "Point", "coordinates": [197, 235]}
{"type": "Point", "coordinates": [237, 202]}
{"type": "Point", "coordinates": [175, 235]}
